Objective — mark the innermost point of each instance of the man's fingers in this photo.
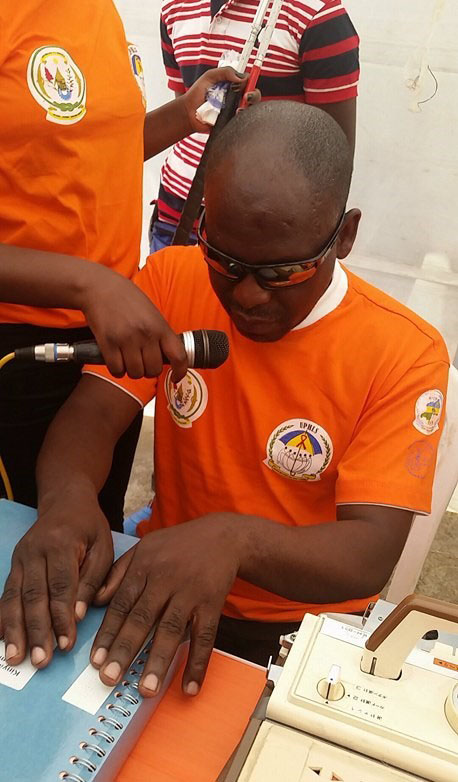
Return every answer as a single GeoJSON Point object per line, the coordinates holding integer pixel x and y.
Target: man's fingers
{"type": "Point", "coordinates": [152, 359]}
{"type": "Point", "coordinates": [173, 348]}
{"type": "Point", "coordinates": [170, 632]}
{"type": "Point", "coordinates": [114, 578]}
{"type": "Point", "coordinates": [92, 573]}
{"type": "Point", "coordinates": [62, 574]}
{"type": "Point", "coordinates": [12, 617]}
{"type": "Point", "coordinates": [107, 649]}
{"type": "Point", "coordinates": [253, 97]}
{"type": "Point", "coordinates": [203, 634]}
{"type": "Point", "coordinates": [113, 358]}
{"type": "Point", "coordinates": [35, 601]}
{"type": "Point", "coordinates": [130, 639]}
{"type": "Point", "coordinates": [226, 73]}
{"type": "Point", "coordinates": [133, 360]}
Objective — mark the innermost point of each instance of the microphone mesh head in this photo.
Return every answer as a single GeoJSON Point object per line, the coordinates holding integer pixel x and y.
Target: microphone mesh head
{"type": "Point", "coordinates": [211, 348]}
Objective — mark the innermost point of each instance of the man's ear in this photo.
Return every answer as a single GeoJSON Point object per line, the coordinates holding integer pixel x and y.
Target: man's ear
{"type": "Point", "coordinates": [348, 233]}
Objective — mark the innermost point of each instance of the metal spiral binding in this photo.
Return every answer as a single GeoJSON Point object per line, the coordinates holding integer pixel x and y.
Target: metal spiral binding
{"type": "Point", "coordinates": [114, 723]}
{"type": "Point", "coordinates": [109, 721]}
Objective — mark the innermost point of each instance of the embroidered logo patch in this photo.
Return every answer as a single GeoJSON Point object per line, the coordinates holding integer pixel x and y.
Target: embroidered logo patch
{"type": "Point", "coordinates": [299, 449]}
{"type": "Point", "coordinates": [57, 84]}
{"type": "Point", "coordinates": [428, 411]}
{"type": "Point", "coordinates": [188, 399]}
{"type": "Point", "coordinates": [137, 68]}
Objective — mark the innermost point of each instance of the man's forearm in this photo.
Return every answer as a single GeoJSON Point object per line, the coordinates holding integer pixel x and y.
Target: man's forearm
{"type": "Point", "coordinates": [165, 126]}
{"type": "Point", "coordinates": [323, 563]}
{"type": "Point", "coordinates": [76, 456]}
{"type": "Point", "coordinates": [45, 279]}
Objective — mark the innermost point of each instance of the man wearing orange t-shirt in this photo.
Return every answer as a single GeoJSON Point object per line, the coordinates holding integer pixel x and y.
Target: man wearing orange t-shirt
{"type": "Point", "coordinates": [73, 137]}
{"type": "Point", "coordinates": [286, 479]}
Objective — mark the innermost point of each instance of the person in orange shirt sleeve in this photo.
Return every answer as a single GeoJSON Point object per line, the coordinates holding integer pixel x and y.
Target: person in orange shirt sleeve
{"type": "Point", "coordinates": [287, 478]}
{"type": "Point", "coordinates": [73, 137]}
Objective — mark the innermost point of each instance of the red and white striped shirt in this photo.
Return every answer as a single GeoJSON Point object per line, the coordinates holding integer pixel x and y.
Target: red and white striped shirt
{"type": "Point", "coordinates": [313, 57]}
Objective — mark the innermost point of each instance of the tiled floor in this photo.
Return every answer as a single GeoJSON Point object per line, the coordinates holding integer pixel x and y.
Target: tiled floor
{"type": "Point", "coordinates": [406, 174]}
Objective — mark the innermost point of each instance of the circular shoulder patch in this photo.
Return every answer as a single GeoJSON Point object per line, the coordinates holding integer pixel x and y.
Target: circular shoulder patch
{"type": "Point", "coordinates": [428, 411]}
{"type": "Point", "coordinates": [299, 449]}
{"type": "Point", "coordinates": [187, 399]}
{"type": "Point", "coordinates": [57, 84]}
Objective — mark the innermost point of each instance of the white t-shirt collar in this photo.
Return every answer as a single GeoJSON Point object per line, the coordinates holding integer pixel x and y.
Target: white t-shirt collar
{"type": "Point", "coordinates": [330, 299]}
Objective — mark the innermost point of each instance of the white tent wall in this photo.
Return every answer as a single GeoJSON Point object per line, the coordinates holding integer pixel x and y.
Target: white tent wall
{"type": "Point", "coordinates": [406, 161]}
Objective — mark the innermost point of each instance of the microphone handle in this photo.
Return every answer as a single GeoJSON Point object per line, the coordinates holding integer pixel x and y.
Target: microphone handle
{"type": "Point", "coordinates": [88, 352]}
{"type": "Point", "coordinates": [205, 349]}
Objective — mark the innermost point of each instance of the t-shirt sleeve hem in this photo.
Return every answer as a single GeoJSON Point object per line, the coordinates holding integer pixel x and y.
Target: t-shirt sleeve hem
{"type": "Point", "coordinates": [117, 385]}
{"type": "Point", "coordinates": [388, 496]}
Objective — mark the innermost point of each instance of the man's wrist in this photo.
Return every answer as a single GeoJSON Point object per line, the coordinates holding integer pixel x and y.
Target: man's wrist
{"type": "Point", "coordinates": [73, 494]}
{"type": "Point", "coordinates": [88, 280]}
{"type": "Point", "coordinates": [185, 114]}
{"type": "Point", "coordinates": [238, 533]}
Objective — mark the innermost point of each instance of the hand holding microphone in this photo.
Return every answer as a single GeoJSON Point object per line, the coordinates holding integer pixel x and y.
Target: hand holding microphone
{"type": "Point", "coordinates": [204, 348]}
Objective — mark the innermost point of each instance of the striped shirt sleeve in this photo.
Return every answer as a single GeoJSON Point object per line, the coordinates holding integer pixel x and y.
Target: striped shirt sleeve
{"type": "Point", "coordinates": [175, 82]}
{"type": "Point", "coordinates": [329, 56]}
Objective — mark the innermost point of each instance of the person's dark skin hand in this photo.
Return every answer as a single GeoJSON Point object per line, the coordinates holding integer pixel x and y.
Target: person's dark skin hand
{"type": "Point", "coordinates": [129, 329]}
{"type": "Point", "coordinates": [196, 95]}
{"type": "Point", "coordinates": [177, 119]}
{"type": "Point", "coordinates": [57, 568]}
{"type": "Point", "coordinates": [178, 578]}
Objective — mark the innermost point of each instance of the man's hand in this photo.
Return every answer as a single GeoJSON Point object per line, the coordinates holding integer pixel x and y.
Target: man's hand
{"type": "Point", "coordinates": [129, 330]}
{"type": "Point", "coordinates": [197, 94]}
{"type": "Point", "coordinates": [177, 578]}
{"type": "Point", "coordinates": [57, 568]}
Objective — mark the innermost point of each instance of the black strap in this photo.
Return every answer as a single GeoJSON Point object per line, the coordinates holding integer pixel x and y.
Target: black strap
{"type": "Point", "coordinates": [193, 202]}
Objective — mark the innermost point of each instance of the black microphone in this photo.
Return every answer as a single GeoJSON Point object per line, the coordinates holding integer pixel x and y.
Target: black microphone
{"type": "Point", "coordinates": [205, 349]}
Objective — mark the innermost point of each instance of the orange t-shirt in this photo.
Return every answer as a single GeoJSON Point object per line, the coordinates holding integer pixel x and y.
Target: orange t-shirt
{"type": "Point", "coordinates": [71, 138]}
{"type": "Point", "coordinates": [344, 411]}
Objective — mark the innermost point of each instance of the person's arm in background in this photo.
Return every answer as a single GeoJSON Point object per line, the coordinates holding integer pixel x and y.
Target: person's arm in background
{"type": "Point", "coordinates": [177, 119]}
{"type": "Point", "coordinates": [330, 66]}
{"type": "Point", "coordinates": [129, 329]}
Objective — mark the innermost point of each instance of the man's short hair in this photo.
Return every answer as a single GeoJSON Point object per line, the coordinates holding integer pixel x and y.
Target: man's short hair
{"type": "Point", "coordinates": [305, 136]}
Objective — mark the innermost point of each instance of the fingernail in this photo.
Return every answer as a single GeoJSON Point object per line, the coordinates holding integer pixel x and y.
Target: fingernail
{"type": "Point", "coordinates": [192, 688]}
{"type": "Point", "coordinates": [112, 671]}
{"type": "Point", "coordinates": [38, 655]}
{"type": "Point", "coordinates": [80, 610]}
{"type": "Point", "coordinates": [151, 682]}
{"type": "Point", "coordinates": [100, 655]}
{"type": "Point", "coordinates": [11, 651]}
{"type": "Point", "coordinates": [240, 75]}
{"type": "Point", "coordinates": [63, 642]}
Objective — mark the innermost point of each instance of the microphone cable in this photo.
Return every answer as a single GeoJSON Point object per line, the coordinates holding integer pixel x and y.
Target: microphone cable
{"type": "Point", "coordinates": [205, 349]}
{"type": "Point", "coordinates": [3, 473]}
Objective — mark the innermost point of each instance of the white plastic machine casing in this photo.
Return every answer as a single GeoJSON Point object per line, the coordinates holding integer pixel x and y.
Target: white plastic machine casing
{"type": "Point", "coordinates": [401, 723]}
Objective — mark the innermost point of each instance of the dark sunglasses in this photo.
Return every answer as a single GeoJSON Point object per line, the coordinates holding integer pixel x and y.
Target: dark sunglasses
{"type": "Point", "coordinates": [267, 275]}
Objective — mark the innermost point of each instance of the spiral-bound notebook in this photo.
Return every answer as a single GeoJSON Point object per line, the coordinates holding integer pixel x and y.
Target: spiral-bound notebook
{"type": "Point", "coordinates": [62, 722]}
